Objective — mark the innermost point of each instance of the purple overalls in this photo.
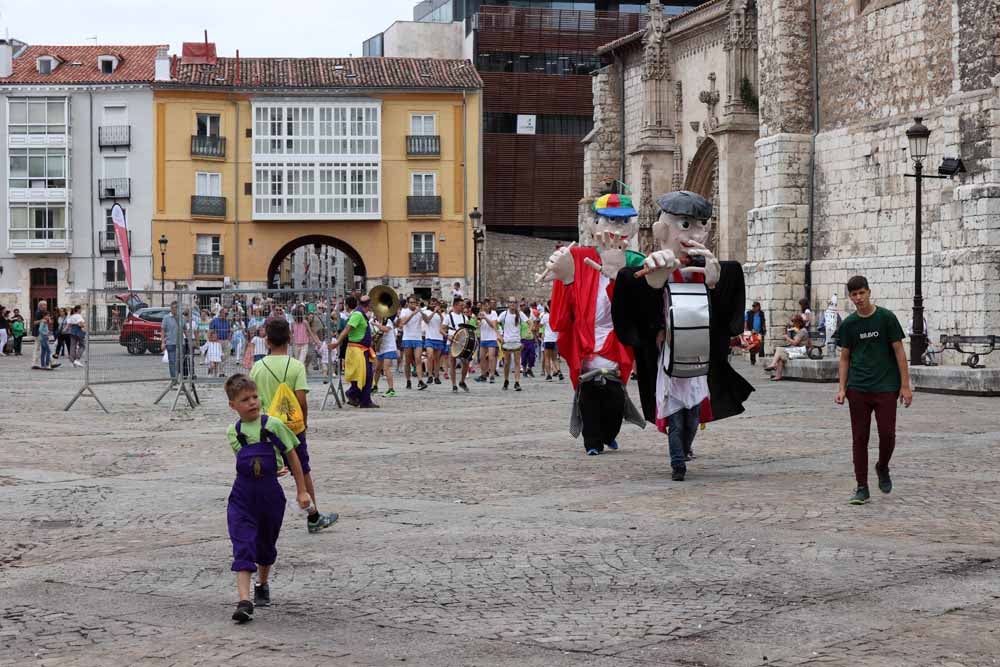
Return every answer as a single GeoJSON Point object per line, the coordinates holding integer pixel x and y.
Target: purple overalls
{"type": "Point", "coordinates": [257, 502]}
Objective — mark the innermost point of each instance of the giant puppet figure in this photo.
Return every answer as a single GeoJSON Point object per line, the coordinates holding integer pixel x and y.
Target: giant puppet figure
{"type": "Point", "coordinates": [678, 314]}
{"type": "Point", "coordinates": [583, 286]}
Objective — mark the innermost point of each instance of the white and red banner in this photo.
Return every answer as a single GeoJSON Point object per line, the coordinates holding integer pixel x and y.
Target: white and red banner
{"type": "Point", "coordinates": [121, 234]}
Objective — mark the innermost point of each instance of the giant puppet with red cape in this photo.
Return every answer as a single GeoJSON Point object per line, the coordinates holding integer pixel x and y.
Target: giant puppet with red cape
{"type": "Point", "coordinates": [678, 315]}
{"type": "Point", "coordinates": [582, 292]}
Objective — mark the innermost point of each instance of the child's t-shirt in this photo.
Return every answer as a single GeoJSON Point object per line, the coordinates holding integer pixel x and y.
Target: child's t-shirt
{"type": "Point", "coordinates": [252, 432]}
{"type": "Point", "coordinates": [269, 372]}
{"type": "Point", "coordinates": [43, 330]}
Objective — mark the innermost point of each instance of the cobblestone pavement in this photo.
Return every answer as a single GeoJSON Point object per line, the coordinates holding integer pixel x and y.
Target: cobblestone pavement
{"type": "Point", "coordinates": [474, 531]}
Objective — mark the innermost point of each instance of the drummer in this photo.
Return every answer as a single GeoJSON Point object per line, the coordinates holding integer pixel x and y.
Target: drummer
{"type": "Point", "coordinates": [453, 321]}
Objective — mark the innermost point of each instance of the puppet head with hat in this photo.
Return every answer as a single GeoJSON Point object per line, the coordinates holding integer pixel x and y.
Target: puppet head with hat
{"type": "Point", "coordinates": [612, 227]}
{"type": "Point", "coordinates": [684, 218]}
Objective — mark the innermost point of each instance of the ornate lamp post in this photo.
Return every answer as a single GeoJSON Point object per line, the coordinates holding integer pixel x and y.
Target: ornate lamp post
{"type": "Point", "coordinates": [478, 236]}
{"type": "Point", "coordinates": [163, 269]}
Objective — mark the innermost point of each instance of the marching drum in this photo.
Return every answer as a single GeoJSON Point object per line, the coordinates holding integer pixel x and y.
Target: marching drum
{"type": "Point", "coordinates": [463, 343]}
{"type": "Point", "coordinates": [689, 341]}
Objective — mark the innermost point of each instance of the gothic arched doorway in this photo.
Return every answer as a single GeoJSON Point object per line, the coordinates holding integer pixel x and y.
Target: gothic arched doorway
{"type": "Point", "coordinates": [703, 178]}
{"type": "Point", "coordinates": [317, 262]}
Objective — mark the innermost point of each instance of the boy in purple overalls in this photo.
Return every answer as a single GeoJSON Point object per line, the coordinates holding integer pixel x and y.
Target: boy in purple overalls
{"type": "Point", "coordinates": [257, 503]}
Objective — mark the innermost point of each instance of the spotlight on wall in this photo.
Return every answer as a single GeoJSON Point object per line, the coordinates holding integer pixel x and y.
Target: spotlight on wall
{"type": "Point", "coordinates": [951, 166]}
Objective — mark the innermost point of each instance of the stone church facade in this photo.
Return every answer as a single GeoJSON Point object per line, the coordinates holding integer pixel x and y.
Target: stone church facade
{"type": "Point", "coordinates": [676, 108]}
{"type": "Point", "coordinates": [831, 197]}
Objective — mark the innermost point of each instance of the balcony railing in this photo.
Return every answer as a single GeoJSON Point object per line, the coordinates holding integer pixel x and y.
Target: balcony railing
{"type": "Point", "coordinates": [209, 206]}
{"type": "Point", "coordinates": [421, 205]}
{"type": "Point", "coordinates": [205, 146]}
{"type": "Point", "coordinates": [113, 136]}
{"type": "Point", "coordinates": [208, 265]}
{"type": "Point", "coordinates": [423, 145]}
{"type": "Point", "coordinates": [109, 242]}
{"type": "Point", "coordinates": [114, 188]}
{"type": "Point", "coordinates": [423, 262]}
{"type": "Point", "coordinates": [113, 283]}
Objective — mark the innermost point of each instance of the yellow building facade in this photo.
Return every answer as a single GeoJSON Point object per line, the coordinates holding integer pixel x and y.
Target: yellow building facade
{"type": "Point", "coordinates": [245, 175]}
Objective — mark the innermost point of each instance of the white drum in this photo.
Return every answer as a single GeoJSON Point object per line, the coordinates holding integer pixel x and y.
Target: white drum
{"type": "Point", "coordinates": [690, 343]}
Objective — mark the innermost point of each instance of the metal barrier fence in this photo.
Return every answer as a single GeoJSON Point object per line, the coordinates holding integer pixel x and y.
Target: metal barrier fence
{"type": "Point", "coordinates": [209, 335]}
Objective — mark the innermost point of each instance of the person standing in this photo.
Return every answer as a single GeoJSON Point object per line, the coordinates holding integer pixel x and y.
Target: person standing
{"type": "Point", "coordinates": [77, 328]}
{"type": "Point", "coordinates": [488, 345]}
{"type": "Point", "coordinates": [529, 330]}
{"type": "Point", "coordinates": [755, 321]}
{"type": "Point", "coordinates": [510, 322]}
{"type": "Point", "coordinates": [59, 331]}
{"type": "Point", "coordinates": [4, 331]}
{"type": "Point", "coordinates": [550, 356]}
{"type": "Point", "coordinates": [873, 375]}
{"type": "Point", "coordinates": [17, 331]}
{"type": "Point", "coordinates": [170, 333]}
{"type": "Point", "coordinates": [385, 355]}
{"type": "Point", "coordinates": [434, 342]}
{"type": "Point", "coordinates": [410, 319]}
{"type": "Point", "coordinates": [455, 320]}
{"type": "Point", "coordinates": [43, 338]}
{"type": "Point", "coordinates": [358, 366]}
{"type": "Point", "coordinates": [41, 312]}
{"type": "Point", "coordinates": [223, 334]}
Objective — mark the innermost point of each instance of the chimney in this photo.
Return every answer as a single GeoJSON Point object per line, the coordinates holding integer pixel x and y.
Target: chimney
{"type": "Point", "coordinates": [238, 80]}
{"type": "Point", "coordinates": [6, 58]}
{"type": "Point", "coordinates": [162, 64]}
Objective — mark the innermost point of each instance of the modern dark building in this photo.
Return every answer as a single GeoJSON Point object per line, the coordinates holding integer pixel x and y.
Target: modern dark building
{"type": "Point", "coordinates": [536, 58]}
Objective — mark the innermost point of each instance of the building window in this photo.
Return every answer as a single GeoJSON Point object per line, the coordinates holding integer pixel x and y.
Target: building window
{"type": "Point", "coordinates": [37, 222]}
{"type": "Point", "coordinates": [208, 244]}
{"type": "Point", "coordinates": [36, 115]}
{"type": "Point", "coordinates": [422, 125]}
{"type": "Point", "coordinates": [423, 243]}
{"type": "Point", "coordinates": [37, 168]}
{"type": "Point", "coordinates": [114, 271]}
{"type": "Point", "coordinates": [208, 184]}
{"type": "Point", "coordinates": [209, 125]}
{"type": "Point", "coordinates": [108, 64]}
{"type": "Point", "coordinates": [538, 63]}
{"type": "Point", "coordinates": [422, 185]}
{"type": "Point", "coordinates": [285, 130]}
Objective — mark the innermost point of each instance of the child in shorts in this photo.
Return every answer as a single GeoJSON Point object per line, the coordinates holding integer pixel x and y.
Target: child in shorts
{"type": "Point", "coordinates": [256, 503]}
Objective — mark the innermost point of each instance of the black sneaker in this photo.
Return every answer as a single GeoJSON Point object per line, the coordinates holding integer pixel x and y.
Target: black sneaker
{"type": "Point", "coordinates": [548, 378]}
{"type": "Point", "coordinates": [481, 378]}
{"type": "Point", "coordinates": [678, 475]}
{"type": "Point", "coordinates": [506, 385]}
{"type": "Point", "coordinates": [409, 384]}
{"type": "Point", "coordinates": [421, 386]}
{"type": "Point", "coordinates": [517, 386]}
{"type": "Point", "coordinates": [464, 386]}
{"type": "Point", "coordinates": [860, 496]}
{"type": "Point", "coordinates": [454, 389]}
{"type": "Point", "coordinates": [884, 481]}
{"type": "Point", "coordinates": [244, 612]}
{"type": "Point", "coordinates": [492, 379]}
{"type": "Point", "coordinates": [437, 380]}
{"type": "Point", "coordinates": [561, 376]}
{"type": "Point", "coordinates": [262, 595]}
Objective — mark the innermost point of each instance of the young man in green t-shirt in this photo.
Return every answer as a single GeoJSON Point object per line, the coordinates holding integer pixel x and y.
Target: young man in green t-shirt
{"type": "Point", "coordinates": [873, 375]}
{"type": "Point", "coordinates": [270, 372]}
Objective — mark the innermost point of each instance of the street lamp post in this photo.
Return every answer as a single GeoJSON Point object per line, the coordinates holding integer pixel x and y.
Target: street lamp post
{"type": "Point", "coordinates": [163, 269]}
{"type": "Point", "coordinates": [478, 236]}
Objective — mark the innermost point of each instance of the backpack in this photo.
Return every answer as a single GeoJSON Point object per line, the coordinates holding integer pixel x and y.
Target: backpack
{"type": "Point", "coordinates": [284, 405]}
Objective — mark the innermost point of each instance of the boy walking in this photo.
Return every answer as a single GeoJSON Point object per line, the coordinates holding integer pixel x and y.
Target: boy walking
{"type": "Point", "coordinates": [269, 374]}
{"type": "Point", "coordinates": [257, 504]}
{"type": "Point", "coordinates": [873, 375]}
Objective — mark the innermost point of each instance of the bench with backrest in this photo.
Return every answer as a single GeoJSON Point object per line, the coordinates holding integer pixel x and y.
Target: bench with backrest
{"type": "Point", "coordinates": [974, 347]}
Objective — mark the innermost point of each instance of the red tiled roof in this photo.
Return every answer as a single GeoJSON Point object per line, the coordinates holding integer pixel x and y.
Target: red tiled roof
{"type": "Point", "coordinates": [324, 73]}
{"type": "Point", "coordinates": [137, 65]}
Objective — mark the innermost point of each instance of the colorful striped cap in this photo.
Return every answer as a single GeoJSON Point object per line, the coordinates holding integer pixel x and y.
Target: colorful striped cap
{"type": "Point", "coordinates": [614, 206]}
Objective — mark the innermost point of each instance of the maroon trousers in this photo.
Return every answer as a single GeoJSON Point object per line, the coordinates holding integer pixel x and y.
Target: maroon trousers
{"type": "Point", "coordinates": [863, 404]}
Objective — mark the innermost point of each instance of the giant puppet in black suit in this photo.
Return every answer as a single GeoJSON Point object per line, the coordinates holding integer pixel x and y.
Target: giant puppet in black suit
{"type": "Point", "coordinates": [678, 314]}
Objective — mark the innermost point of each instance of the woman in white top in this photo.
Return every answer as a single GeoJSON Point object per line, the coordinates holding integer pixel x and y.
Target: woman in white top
{"type": "Point", "coordinates": [385, 355]}
{"type": "Point", "coordinates": [510, 323]}
{"type": "Point", "coordinates": [550, 355]}
{"type": "Point", "coordinates": [488, 345]}
{"type": "Point", "coordinates": [411, 321]}
{"type": "Point", "coordinates": [434, 341]}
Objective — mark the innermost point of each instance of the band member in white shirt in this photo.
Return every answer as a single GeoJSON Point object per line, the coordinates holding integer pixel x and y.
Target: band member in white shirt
{"type": "Point", "coordinates": [488, 345]}
{"type": "Point", "coordinates": [411, 321]}
{"type": "Point", "coordinates": [550, 355]}
{"type": "Point", "coordinates": [433, 342]}
{"type": "Point", "coordinates": [452, 322]}
{"type": "Point", "coordinates": [510, 323]}
{"type": "Point", "coordinates": [385, 354]}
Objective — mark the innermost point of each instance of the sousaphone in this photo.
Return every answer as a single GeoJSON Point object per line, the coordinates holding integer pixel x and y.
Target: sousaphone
{"type": "Point", "coordinates": [385, 303]}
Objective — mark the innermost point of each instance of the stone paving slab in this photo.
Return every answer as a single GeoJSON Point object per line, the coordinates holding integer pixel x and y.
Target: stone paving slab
{"type": "Point", "coordinates": [475, 532]}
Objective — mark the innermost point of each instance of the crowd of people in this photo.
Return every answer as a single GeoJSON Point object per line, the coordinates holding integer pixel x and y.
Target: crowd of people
{"type": "Point", "coordinates": [58, 333]}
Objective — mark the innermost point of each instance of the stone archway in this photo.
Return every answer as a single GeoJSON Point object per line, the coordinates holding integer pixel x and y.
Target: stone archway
{"type": "Point", "coordinates": [317, 240]}
{"type": "Point", "coordinates": [703, 178]}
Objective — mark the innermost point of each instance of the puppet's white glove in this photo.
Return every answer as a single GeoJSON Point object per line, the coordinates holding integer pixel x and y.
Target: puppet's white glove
{"type": "Point", "coordinates": [712, 270]}
{"type": "Point", "coordinates": [661, 264]}
{"type": "Point", "coordinates": [560, 265]}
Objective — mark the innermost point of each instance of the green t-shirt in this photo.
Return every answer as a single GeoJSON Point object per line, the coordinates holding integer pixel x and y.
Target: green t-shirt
{"type": "Point", "coordinates": [252, 432]}
{"type": "Point", "coordinates": [17, 328]}
{"type": "Point", "coordinates": [869, 339]}
{"type": "Point", "coordinates": [358, 325]}
{"type": "Point", "coordinates": [269, 372]}
{"type": "Point", "coordinates": [525, 328]}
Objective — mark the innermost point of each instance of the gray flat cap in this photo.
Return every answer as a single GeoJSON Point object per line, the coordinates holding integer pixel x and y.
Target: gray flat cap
{"type": "Point", "coordinates": [684, 202]}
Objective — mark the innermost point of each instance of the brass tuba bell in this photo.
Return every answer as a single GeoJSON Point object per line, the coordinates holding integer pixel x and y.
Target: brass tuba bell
{"type": "Point", "coordinates": [385, 301]}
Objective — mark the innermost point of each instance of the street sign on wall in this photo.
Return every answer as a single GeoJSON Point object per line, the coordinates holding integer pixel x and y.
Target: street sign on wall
{"type": "Point", "coordinates": [525, 123]}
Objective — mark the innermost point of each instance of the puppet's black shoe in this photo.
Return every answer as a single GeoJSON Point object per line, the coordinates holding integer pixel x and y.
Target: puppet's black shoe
{"type": "Point", "coordinates": [678, 475]}
{"type": "Point", "coordinates": [613, 445]}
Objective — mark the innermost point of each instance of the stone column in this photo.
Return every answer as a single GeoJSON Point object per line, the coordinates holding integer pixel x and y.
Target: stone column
{"type": "Point", "coordinates": [777, 225]}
